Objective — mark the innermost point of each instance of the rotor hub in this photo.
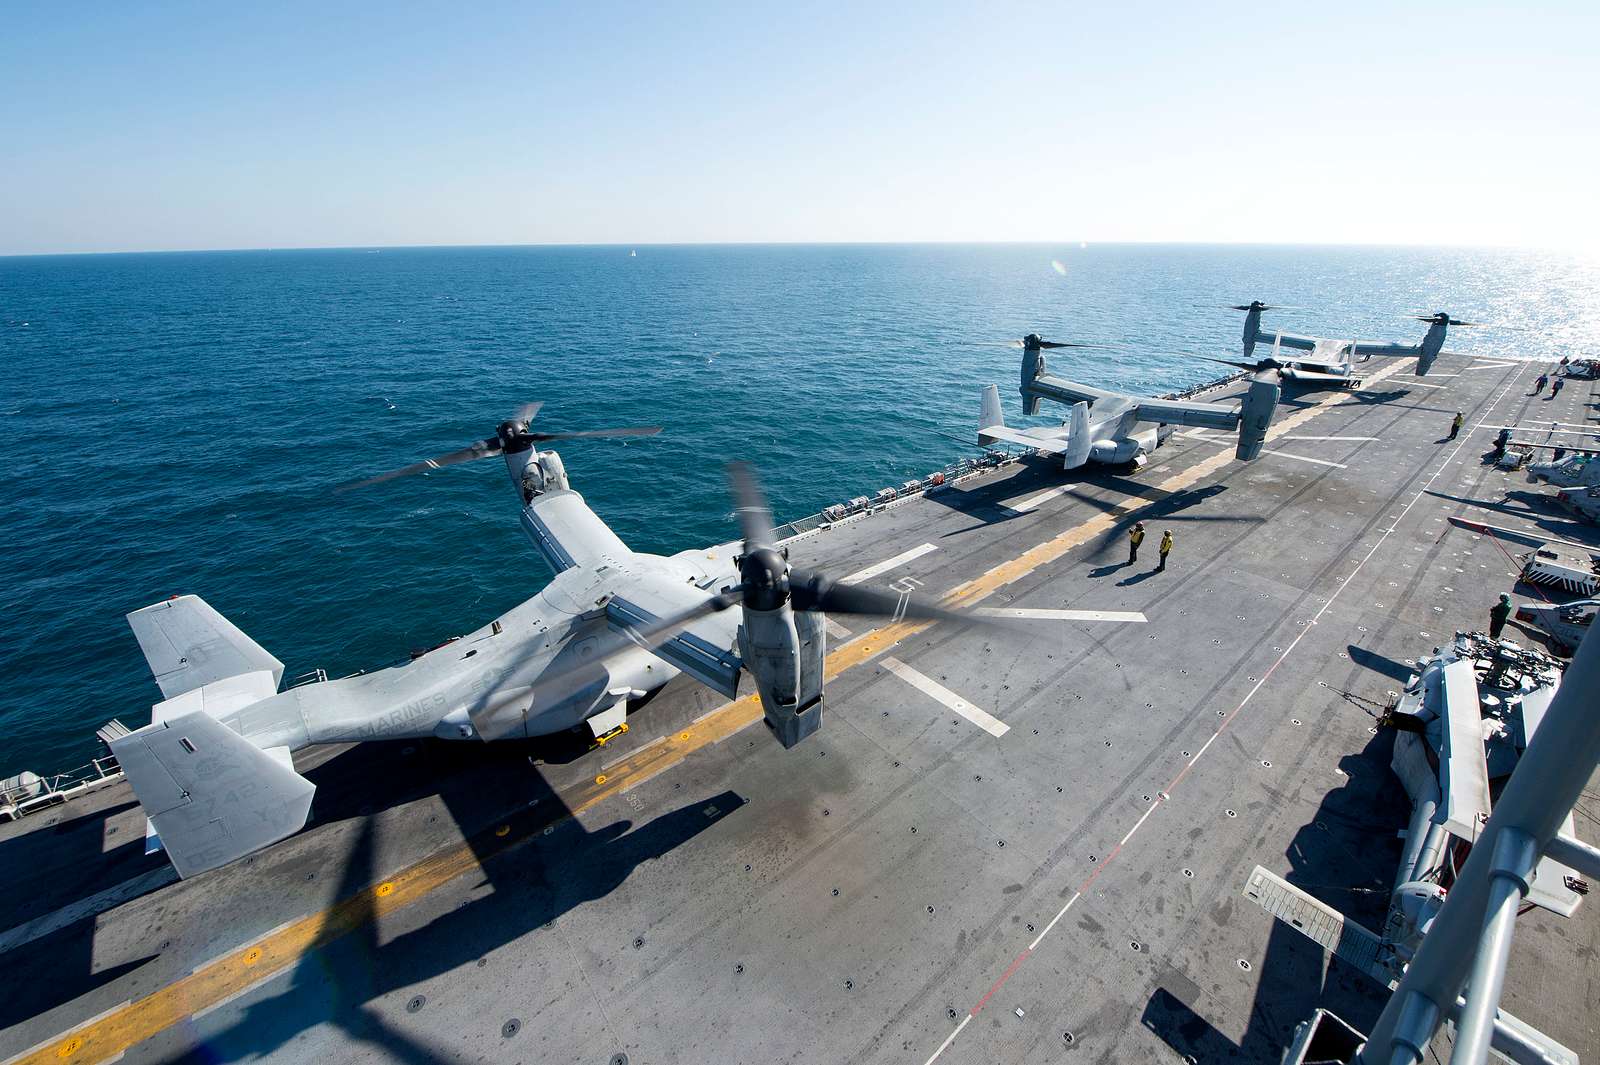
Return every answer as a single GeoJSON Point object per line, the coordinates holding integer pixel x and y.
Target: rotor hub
{"type": "Point", "coordinates": [513, 436]}
{"type": "Point", "coordinates": [764, 573]}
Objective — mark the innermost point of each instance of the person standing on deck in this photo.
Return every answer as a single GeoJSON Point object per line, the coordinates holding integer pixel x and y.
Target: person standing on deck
{"type": "Point", "coordinates": [1498, 614]}
{"type": "Point", "coordinates": [1555, 386]}
{"type": "Point", "coordinates": [1166, 547]}
{"type": "Point", "coordinates": [1135, 538]}
{"type": "Point", "coordinates": [1455, 425]}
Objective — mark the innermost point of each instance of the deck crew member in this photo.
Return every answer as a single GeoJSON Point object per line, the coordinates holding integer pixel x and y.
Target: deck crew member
{"type": "Point", "coordinates": [1498, 614]}
{"type": "Point", "coordinates": [1166, 547]}
{"type": "Point", "coordinates": [1135, 538]}
{"type": "Point", "coordinates": [1455, 425]}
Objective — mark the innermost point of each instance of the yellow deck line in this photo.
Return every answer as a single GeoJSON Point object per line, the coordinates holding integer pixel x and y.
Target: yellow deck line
{"type": "Point", "coordinates": [120, 1029]}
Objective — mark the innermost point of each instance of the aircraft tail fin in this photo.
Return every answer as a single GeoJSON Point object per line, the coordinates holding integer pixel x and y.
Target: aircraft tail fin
{"type": "Point", "coordinates": [211, 794]}
{"type": "Point", "coordinates": [189, 645]}
{"type": "Point", "coordinates": [1078, 442]}
{"type": "Point", "coordinates": [990, 416]}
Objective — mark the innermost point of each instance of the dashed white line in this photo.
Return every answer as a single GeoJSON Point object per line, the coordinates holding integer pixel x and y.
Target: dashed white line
{"type": "Point", "coordinates": [1352, 439]}
{"type": "Point", "coordinates": [1027, 614]}
{"type": "Point", "coordinates": [1303, 458]}
{"type": "Point", "coordinates": [888, 564]}
{"type": "Point", "coordinates": [1022, 506]}
{"type": "Point", "coordinates": [1062, 913]}
{"type": "Point", "coordinates": [951, 1038]}
{"type": "Point", "coordinates": [928, 686]}
{"type": "Point", "coordinates": [836, 630]}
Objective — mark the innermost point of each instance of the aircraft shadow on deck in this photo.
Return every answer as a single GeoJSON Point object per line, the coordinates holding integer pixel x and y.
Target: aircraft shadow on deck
{"type": "Point", "coordinates": [536, 877]}
{"type": "Point", "coordinates": [1541, 510]}
{"type": "Point", "coordinates": [1346, 856]}
{"type": "Point", "coordinates": [76, 859]}
{"type": "Point", "coordinates": [1381, 664]}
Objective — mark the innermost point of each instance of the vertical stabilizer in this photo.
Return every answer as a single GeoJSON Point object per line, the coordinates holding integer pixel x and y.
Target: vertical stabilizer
{"type": "Point", "coordinates": [211, 794]}
{"type": "Point", "coordinates": [189, 645]}
{"type": "Point", "coordinates": [1078, 442]}
{"type": "Point", "coordinates": [991, 414]}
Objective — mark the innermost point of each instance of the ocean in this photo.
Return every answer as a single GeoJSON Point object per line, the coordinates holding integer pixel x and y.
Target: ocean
{"type": "Point", "coordinates": [176, 423]}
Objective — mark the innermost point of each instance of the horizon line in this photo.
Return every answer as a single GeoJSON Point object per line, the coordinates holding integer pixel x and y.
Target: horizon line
{"type": "Point", "coordinates": [1081, 243]}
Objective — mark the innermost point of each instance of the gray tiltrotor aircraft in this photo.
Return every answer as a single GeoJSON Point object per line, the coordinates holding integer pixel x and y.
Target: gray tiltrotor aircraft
{"type": "Point", "coordinates": [213, 769]}
{"type": "Point", "coordinates": [1110, 427]}
{"type": "Point", "coordinates": [1331, 362]}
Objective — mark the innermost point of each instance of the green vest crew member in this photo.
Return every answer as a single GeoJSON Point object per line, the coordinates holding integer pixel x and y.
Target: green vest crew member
{"type": "Point", "coordinates": [1455, 425]}
{"type": "Point", "coordinates": [1497, 616]}
{"type": "Point", "coordinates": [1166, 546]}
{"type": "Point", "coordinates": [1135, 538]}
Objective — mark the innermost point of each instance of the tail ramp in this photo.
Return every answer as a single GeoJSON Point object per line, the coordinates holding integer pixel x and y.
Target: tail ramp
{"type": "Point", "coordinates": [190, 645]}
{"type": "Point", "coordinates": [211, 794]}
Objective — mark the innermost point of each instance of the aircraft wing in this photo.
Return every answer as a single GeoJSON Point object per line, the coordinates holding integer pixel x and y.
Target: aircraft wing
{"type": "Point", "coordinates": [704, 650]}
{"type": "Point", "coordinates": [568, 534]}
{"type": "Point", "coordinates": [1223, 416]}
{"type": "Point", "coordinates": [1059, 388]}
{"type": "Point", "coordinates": [1049, 445]}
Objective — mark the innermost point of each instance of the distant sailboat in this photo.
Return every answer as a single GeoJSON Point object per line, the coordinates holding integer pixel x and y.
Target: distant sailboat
{"type": "Point", "coordinates": [633, 255]}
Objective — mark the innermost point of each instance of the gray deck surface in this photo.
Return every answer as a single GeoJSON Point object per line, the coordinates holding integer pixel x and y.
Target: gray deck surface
{"type": "Point", "coordinates": [860, 897]}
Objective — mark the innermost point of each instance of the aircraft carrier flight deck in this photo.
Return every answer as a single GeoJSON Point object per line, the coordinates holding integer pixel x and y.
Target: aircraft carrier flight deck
{"type": "Point", "coordinates": [998, 848]}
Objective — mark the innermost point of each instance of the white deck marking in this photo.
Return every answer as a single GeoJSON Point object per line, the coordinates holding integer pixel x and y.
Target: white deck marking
{"type": "Point", "coordinates": [888, 564]}
{"type": "Point", "coordinates": [951, 1038]}
{"type": "Point", "coordinates": [1444, 375]}
{"type": "Point", "coordinates": [1303, 458]}
{"type": "Point", "coordinates": [1419, 384]}
{"type": "Point", "coordinates": [1059, 914]}
{"type": "Point", "coordinates": [836, 630]}
{"type": "Point", "coordinates": [1352, 439]}
{"type": "Point", "coordinates": [928, 686]}
{"type": "Point", "coordinates": [92, 906]}
{"type": "Point", "coordinates": [1022, 506]}
{"type": "Point", "coordinates": [1060, 615]}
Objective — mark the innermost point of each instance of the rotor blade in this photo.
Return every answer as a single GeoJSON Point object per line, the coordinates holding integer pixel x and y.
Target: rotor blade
{"type": "Point", "coordinates": [643, 430]}
{"type": "Point", "coordinates": [479, 450]}
{"type": "Point", "coordinates": [1262, 365]}
{"type": "Point", "coordinates": [504, 717]}
{"type": "Point", "coordinates": [525, 413]}
{"type": "Point", "coordinates": [750, 504]}
{"type": "Point", "coordinates": [809, 590]}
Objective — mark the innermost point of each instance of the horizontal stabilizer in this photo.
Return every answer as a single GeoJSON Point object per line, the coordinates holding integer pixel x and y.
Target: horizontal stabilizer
{"type": "Point", "coordinates": [995, 433]}
{"type": "Point", "coordinates": [211, 794]}
{"type": "Point", "coordinates": [188, 645]}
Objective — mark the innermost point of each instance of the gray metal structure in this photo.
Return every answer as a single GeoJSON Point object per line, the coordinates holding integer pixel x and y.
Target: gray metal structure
{"type": "Point", "coordinates": [1117, 429]}
{"type": "Point", "coordinates": [1332, 362]}
{"type": "Point", "coordinates": [213, 769]}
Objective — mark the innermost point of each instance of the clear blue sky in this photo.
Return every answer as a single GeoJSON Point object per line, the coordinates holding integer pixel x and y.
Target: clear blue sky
{"type": "Point", "coordinates": [220, 125]}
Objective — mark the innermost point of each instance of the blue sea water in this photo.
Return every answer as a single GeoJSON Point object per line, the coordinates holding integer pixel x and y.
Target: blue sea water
{"type": "Point", "coordinates": [176, 422]}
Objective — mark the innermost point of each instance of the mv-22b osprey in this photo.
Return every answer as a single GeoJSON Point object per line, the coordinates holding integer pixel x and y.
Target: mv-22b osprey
{"type": "Point", "coordinates": [1117, 429]}
{"type": "Point", "coordinates": [1331, 363]}
{"type": "Point", "coordinates": [213, 770]}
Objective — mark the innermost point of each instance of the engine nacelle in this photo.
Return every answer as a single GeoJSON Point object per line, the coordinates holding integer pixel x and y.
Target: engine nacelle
{"type": "Point", "coordinates": [1255, 415]}
{"type": "Point", "coordinates": [783, 650]}
{"type": "Point", "coordinates": [1032, 370]}
{"type": "Point", "coordinates": [1252, 327]}
{"type": "Point", "coordinates": [1431, 345]}
{"type": "Point", "coordinates": [535, 472]}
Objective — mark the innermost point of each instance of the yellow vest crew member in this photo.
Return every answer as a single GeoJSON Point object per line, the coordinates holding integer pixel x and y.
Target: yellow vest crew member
{"type": "Point", "coordinates": [1135, 538]}
{"type": "Point", "coordinates": [1455, 425]}
{"type": "Point", "coordinates": [1166, 546]}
